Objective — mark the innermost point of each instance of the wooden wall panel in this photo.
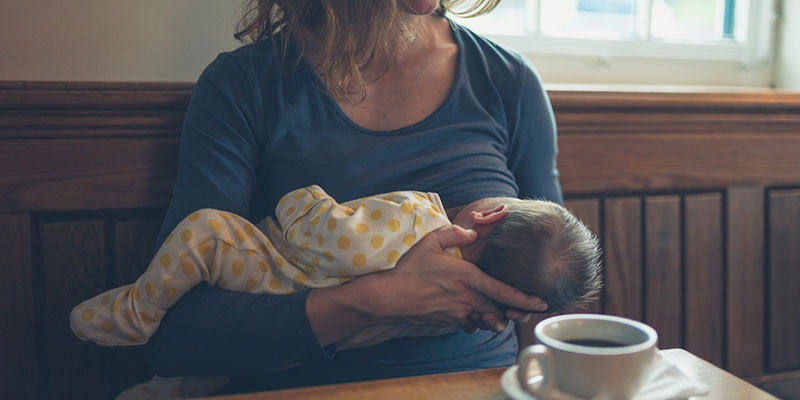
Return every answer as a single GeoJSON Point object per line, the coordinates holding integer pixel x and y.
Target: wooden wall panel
{"type": "Point", "coordinates": [86, 174]}
{"type": "Point", "coordinates": [17, 352]}
{"type": "Point", "coordinates": [119, 96]}
{"type": "Point", "coordinates": [588, 211]}
{"type": "Point", "coordinates": [623, 271]}
{"type": "Point", "coordinates": [108, 149]}
{"type": "Point", "coordinates": [73, 270]}
{"type": "Point", "coordinates": [134, 245]}
{"type": "Point", "coordinates": [784, 279]}
{"type": "Point", "coordinates": [699, 160]}
{"type": "Point", "coordinates": [662, 273]}
{"type": "Point", "coordinates": [690, 104]}
{"type": "Point", "coordinates": [704, 279]}
{"type": "Point", "coordinates": [745, 283]}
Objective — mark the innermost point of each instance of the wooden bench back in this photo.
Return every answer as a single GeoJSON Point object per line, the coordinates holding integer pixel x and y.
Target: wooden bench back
{"type": "Point", "coordinates": [696, 199]}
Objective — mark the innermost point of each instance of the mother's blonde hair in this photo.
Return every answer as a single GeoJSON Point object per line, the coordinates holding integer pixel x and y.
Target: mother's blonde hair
{"type": "Point", "coordinates": [343, 37]}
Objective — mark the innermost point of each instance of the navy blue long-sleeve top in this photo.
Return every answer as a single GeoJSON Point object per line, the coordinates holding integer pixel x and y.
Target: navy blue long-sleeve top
{"type": "Point", "coordinates": [253, 133]}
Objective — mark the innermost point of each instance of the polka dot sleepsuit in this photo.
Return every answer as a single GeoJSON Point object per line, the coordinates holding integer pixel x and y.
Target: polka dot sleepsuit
{"type": "Point", "coordinates": [316, 242]}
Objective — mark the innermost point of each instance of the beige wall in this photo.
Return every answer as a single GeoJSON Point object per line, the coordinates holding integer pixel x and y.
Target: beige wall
{"type": "Point", "coordinates": [788, 68]}
{"type": "Point", "coordinates": [173, 40]}
{"type": "Point", "coordinates": [117, 40]}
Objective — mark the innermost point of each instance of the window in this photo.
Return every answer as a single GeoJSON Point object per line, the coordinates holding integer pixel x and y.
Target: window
{"type": "Point", "coordinates": [736, 32]}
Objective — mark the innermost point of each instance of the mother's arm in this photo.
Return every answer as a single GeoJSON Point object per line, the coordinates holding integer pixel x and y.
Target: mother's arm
{"type": "Point", "coordinates": [211, 331]}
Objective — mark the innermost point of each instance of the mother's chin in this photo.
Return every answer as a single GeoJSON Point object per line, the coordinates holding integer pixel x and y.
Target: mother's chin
{"type": "Point", "coordinates": [418, 7]}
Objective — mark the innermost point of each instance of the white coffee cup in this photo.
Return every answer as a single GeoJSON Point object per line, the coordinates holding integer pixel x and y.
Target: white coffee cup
{"type": "Point", "coordinates": [589, 356]}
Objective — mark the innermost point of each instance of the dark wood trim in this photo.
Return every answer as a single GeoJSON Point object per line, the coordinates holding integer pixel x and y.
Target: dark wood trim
{"type": "Point", "coordinates": [671, 102]}
{"type": "Point", "coordinates": [783, 278]}
{"type": "Point", "coordinates": [30, 95]}
{"type": "Point", "coordinates": [623, 257]}
{"type": "Point", "coordinates": [86, 174]}
{"type": "Point", "coordinates": [745, 280]}
{"type": "Point", "coordinates": [18, 368]}
{"type": "Point", "coordinates": [591, 163]}
{"type": "Point", "coordinates": [703, 298]}
{"type": "Point", "coordinates": [662, 266]}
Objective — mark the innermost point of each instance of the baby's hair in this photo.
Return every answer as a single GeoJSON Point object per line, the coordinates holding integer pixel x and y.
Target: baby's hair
{"type": "Point", "coordinates": [542, 249]}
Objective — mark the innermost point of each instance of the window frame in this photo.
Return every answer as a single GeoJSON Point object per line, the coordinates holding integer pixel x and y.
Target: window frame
{"type": "Point", "coordinates": [746, 64]}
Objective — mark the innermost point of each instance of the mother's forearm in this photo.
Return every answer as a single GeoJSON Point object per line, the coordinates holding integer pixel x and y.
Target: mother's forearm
{"type": "Point", "coordinates": [216, 332]}
{"type": "Point", "coordinates": [337, 312]}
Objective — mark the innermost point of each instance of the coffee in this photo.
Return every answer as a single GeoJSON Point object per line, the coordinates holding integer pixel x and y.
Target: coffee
{"type": "Point", "coordinates": [583, 370]}
{"type": "Point", "coordinates": [594, 342]}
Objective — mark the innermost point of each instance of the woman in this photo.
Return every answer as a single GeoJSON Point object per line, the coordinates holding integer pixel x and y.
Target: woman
{"type": "Point", "coordinates": [360, 97]}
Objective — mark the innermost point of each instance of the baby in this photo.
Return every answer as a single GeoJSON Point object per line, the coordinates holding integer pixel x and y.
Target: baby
{"type": "Point", "coordinates": [536, 246]}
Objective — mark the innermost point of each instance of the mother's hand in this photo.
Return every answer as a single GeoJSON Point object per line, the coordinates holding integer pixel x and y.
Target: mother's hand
{"type": "Point", "coordinates": [431, 287]}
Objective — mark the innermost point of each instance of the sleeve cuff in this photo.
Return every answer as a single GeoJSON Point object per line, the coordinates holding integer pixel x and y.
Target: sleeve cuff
{"type": "Point", "coordinates": [306, 335]}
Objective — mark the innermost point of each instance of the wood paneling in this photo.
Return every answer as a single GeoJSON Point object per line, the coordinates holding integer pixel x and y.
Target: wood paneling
{"type": "Point", "coordinates": [47, 96]}
{"type": "Point", "coordinates": [663, 268]}
{"type": "Point", "coordinates": [704, 281]}
{"type": "Point", "coordinates": [623, 246]}
{"type": "Point", "coordinates": [702, 160]}
{"type": "Point", "coordinates": [745, 283]}
{"type": "Point", "coordinates": [604, 102]}
{"type": "Point", "coordinates": [629, 141]}
{"type": "Point", "coordinates": [134, 245]}
{"type": "Point", "coordinates": [73, 267]}
{"type": "Point", "coordinates": [81, 174]}
{"type": "Point", "coordinates": [784, 279]}
{"type": "Point", "coordinates": [588, 211]}
{"type": "Point", "coordinates": [627, 162]}
{"type": "Point", "coordinates": [18, 360]}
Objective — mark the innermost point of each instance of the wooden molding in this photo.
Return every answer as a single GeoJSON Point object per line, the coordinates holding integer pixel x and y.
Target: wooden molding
{"type": "Point", "coordinates": [665, 102]}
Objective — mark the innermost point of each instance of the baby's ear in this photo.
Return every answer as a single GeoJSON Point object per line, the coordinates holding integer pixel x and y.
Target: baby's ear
{"type": "Point", "coordinates": [491, 216]}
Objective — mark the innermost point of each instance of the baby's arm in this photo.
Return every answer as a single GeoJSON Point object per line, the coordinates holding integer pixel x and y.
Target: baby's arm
{"type": "Point", "coordinates": [356, 237]}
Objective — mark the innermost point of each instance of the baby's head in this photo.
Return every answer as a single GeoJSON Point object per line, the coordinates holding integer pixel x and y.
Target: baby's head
{"type": "Point", "coordinates": [535, 246]}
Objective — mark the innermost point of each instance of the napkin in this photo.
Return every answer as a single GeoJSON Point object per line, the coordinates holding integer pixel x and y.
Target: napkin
{"type": "Point", "coordinates": [666, 381]}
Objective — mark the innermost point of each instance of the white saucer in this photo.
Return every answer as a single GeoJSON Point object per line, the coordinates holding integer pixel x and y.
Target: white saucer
{"type": "Point", "coordinates": [509, 382]}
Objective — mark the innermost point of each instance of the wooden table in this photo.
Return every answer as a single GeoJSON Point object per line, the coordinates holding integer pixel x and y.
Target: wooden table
{"type": "Point", "coordinates": [485, 384]}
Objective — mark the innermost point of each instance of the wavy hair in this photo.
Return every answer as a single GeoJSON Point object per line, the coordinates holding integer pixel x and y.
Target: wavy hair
{"type": "Point", "coordinates": [341, 38]}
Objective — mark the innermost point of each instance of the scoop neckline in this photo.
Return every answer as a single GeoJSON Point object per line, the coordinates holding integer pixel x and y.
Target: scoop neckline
{"type": "Point", "coordinates": [409, 128]}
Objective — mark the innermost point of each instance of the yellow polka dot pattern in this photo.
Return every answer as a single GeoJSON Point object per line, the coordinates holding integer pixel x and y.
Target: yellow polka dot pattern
{"type": "Point", "coordinates": [343, 243]}
{"type": "Point", "coordinates": [359, 260]}
{"type": "Point", "coordinates": [392, 256]}
{"type": "Point", "coordinates": [237, 267]}
{"type": "Point", "coordinates": [165, 260]}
